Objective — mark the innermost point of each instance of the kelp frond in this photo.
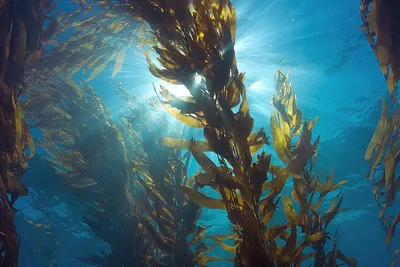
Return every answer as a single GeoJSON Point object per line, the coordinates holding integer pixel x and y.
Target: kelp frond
{"type": "Point", "coordinates": [145, 222]}
{"type": "Point", "coordinates": [169, 215]}
{"type": "Point", "coordinates": [196, 48]}
{"type": "Point", "coordinates": [100, 38]}
{"type": "Point", "coordinates": [85, 145]}
{"type": "Point", "coordinates": [21, 33]}
{"type": "Point", "coordinates": [382, 30]}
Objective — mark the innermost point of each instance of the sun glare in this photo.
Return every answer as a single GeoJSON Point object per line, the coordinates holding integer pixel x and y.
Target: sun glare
{"type": "Point", "coordinates": [198, 79]}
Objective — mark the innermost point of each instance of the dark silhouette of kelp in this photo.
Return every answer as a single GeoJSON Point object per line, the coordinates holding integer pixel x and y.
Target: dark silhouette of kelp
{"type": "Point", "coordinates": [382, 29]}
{"type": "Point", "coordinates": [22, 33]}
{"type": "Point", "coordinates": [85, 145]}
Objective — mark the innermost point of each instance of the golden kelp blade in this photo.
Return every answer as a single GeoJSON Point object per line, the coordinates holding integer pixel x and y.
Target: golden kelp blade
{"type": "Point", "coordinates": [392, 229]}
{"type": "Point", "coordinates": [18, 121]}
{"type": "Point", "coordinates": [228, 248]}
{"type": "Point", "coordinates": [184, 144]}
{"type": "Point", "coordinates": [203, 200]}
{"type": "Point", "coordinates": [380, 131]}
{"type": "Point", "coordinates": [119, 61]}
{"type": "Point", "coordinates": [279, 140]}
{"type": "Point", "coordinates": [186, 119]}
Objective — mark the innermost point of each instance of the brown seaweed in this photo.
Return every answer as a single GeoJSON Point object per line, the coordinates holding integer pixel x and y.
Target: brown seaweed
{"type": "Point", "coordinates": [195, 44]}
{"type": "Point", "coordinates": [382, 30]}
{"type": "Point", "coordinates": [100, 38]}
{"type": "Point", "coordinates": [79, 136]}
{"type": "Point", "coordinates": [196, 48]}
{"type": "Point", "coordinates": [170, 216]}
{"type": "Point", "coordinates": [134, 206]}
{"type": "Point", "coordinates": [58, 103]}
{"type": "Point", "coordinates": [21, 32]}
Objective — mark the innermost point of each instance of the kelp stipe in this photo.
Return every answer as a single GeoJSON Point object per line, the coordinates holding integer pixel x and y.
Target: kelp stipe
{"type": "Point", "coordinates": [382, 29]}
{"type": "Point", "coordinates": [21, 32]}
{"type": "Point", "coordinates": [196, 48]}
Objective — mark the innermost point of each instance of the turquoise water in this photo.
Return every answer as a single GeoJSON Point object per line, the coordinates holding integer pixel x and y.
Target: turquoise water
{"type": "Point", "coordinates": [336, 77]}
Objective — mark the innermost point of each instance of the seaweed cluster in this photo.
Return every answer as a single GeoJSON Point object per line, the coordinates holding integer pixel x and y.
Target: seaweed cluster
{"type": "Point", "coordinates": [133, 224]}
{"type": "Point", "coordinates": [136, 192]}
{"type": "Point", "coordinates": [22, 34]}
{"type": "Point", "coordinates": [101, 36]}
{"type": "Point", "coordinates": [170, 216]}
{"type": "Point", "coordinates": [382, 30]}
{"type": "Point", "coordinates": [196, 49]}
{"type": "Point", "coordinates": [79, 137]}
{"type": "Point", "coordinates": [133, 202]}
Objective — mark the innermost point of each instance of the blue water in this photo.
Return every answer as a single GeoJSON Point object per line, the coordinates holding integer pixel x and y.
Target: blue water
{"type": "Point", "coordinates": [336, 77]}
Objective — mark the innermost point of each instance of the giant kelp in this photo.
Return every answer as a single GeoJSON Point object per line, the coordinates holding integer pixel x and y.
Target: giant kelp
{"type": "Point", "coordinates": [382, 30]}
{"type": "Point", "coordinates": [22, 32]}
{"type": "Point", "coordinates": [105, 35]}
{"type": "Point", "coordinates": [129, 184]}
{"type": "Point", "coordinates": [79, 138]}
{"type": "Point", "coordinates": [97, 34]}
{"type": "Point", "coordinates": [170, 217]}
{"type": "Point", "coordinates": [310, 187]}
{"type": "Point", "coordinates": [196, 48]}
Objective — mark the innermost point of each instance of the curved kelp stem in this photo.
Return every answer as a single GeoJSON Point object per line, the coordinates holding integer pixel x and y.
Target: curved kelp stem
{"type": "Point", "coordinates": [382, 29]}
{"type": "Point", "coordinates": [196, 49]}
{"type": "Point", "coordinates": [22, 34]}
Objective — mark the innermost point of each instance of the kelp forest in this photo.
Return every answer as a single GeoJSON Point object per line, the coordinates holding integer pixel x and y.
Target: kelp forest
{"type": "Point", "coordinates": [132, 172]}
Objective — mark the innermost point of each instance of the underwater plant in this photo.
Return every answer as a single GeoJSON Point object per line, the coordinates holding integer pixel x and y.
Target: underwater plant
{"type": "Point", "coordinates": [22, 33]}
{"type": "Point", "coordinates": [101, 36]}
{"type": "Point", "coordinates": [98, 39]}
{"type": "Point", "coordinates": [382, 30]}
{"type": "Point", "coordinates": [196, 48]}
{"type": "Point", "coordinates": [137, 208]}
{"type": "Point", "coordinates": [170, 216]}
{"type": "Point", "coordinates": [310, 188]}
{"type": "Point", "coordinates": [79, 136]}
